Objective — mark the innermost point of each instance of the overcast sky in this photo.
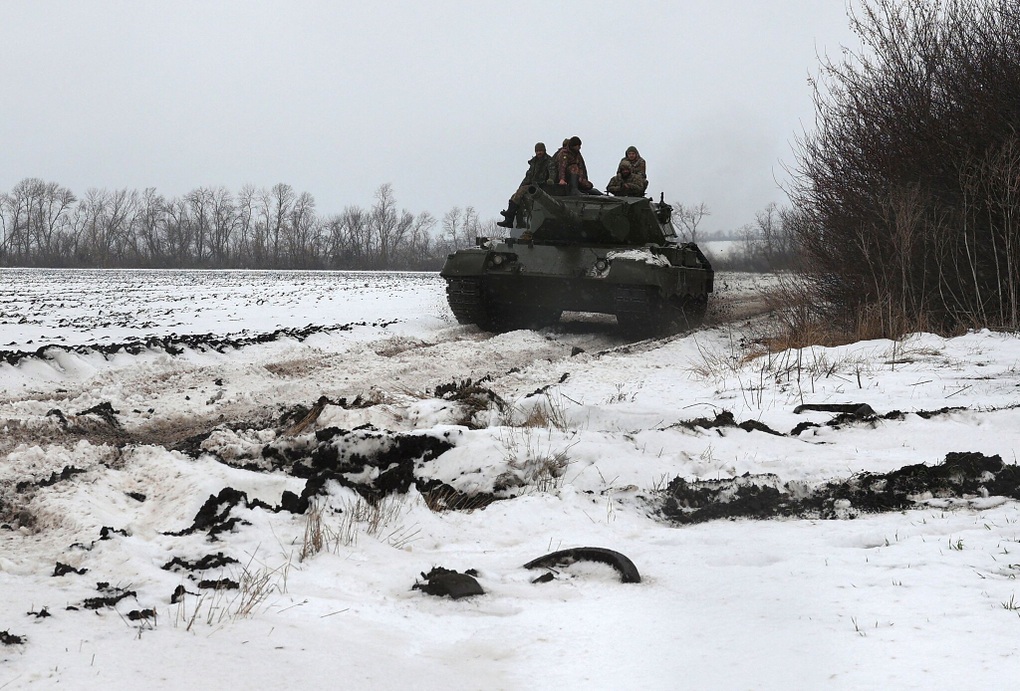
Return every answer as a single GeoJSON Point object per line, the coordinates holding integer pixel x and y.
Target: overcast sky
{"type": "Point", "coordinates": [443, 99]}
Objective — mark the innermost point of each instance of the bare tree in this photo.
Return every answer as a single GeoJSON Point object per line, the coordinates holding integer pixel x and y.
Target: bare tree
{"type": "Point", "coordinates": [149, 225]}
{"type": "Point", "coordinates": [278, 203]}
{"type": "Point", "coordinates": [686, 219]}
{"type": "Point", "coordinates": [247, 248]}
{"type": "Point", "coordinates": [177, 231]}
{"type": "Point", "coordinates": [18, 221]}
{"type": "Point", "coordinates": [302, 245]}
{"type": "Point", "coordinates": [210, 227]}
{"type": "Point", "coordinates": [224, 225]}
{"type": "Point", "coordinates": [347, 238]}
{"type": "Point", "coordinates": [384, 222]}
{"type": "Point", "coordinates": [200, 210]}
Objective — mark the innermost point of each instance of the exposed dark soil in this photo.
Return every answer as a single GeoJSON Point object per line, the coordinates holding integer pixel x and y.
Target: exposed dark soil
{"type": "Point", "coordinates": [176, 344]}
{"type": "Point", "coordinates": [214, 516]}
{"type": "Point", "coordinates": [209, 561]}
{"type": "Point", "coordinates": [846, 414]}
{"type": "Point", "coordinates": [961, 476]}
{"type": "Point", "coordinates": [8, 638]}
{"type": "Point", "coordinates": [62, 569]}
{"type": "Point", "coordinates": [111, 596]}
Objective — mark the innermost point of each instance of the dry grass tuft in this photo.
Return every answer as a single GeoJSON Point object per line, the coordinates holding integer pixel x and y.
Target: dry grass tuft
{"type": "Point", "coordinates": [799, 320]}
{"type": "Point", "coordinates": [380, 519]}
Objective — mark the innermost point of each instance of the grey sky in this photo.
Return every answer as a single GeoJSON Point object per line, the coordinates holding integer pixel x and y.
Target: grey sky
{"type": "Point", "coordinates": [442, 99]}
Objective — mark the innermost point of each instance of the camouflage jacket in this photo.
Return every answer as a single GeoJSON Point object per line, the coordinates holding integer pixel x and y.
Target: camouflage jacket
{"type": "Point", "coordinates": [632, 186]}
{"type": "Point", "coordinates": [541, 171]}
{"type": "Point", "coordinates": [568, 161]}
{"type": "Point", "coordinates": [638, 165]}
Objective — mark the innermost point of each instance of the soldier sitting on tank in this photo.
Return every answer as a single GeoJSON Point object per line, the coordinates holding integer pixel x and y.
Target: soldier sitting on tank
{"type": "Point", "coordinates": [571, 172]}
{"type": "Point", "coordinates": [540, 172]}
{"type": "Point", "coordinates": [637, 164]}
{"type": "Point", "coordinates": [627, 183]}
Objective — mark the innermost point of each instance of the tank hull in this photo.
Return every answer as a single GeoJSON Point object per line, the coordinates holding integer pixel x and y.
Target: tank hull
{"type": "Point", "coordinates": [503, 285]}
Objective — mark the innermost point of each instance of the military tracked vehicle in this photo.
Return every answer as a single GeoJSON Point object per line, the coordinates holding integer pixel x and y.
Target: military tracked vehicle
{"type": "Point", "coordinates": [582, 253]}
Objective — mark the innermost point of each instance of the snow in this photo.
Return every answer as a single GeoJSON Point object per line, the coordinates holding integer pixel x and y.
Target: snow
{"type": "Point", "coordinates": [645, 256]}
{"type": "Point", "coordinates": [907, 599]}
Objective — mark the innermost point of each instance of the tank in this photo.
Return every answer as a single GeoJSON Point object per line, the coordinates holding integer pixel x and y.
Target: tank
{"type": "Point", "coordinates": [582, 253]}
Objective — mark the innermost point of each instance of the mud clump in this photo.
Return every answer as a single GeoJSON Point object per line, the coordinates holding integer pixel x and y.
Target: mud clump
{"type": "Point", "coordinates": [962, 475]}
{"type": "Point", "coordinates": [219, 584]}
{"type": "Point", "coordinates": [473, 396]}
{"type": "Point", "coordinates": [442, 582]}
{"type": "Point", "coordinates": [142, 615]}
{"type": "Point", "coordinates": [372, 463]}
{"type": "Point", "coordinates": [67, 473]}
{"type": "Point", "coordinates": [214, 516]}
{"type": "Point", "coordinates": [209, 561]}
{"type": "Point", "coordinates": [845, 414]}
{"type": "Point", "coordinates": [439, 496]}
{"type": "Point", "coordinates": [62, 569]}
{"type": "Point", "coordinates": [8, 638]}
{"type": "Point", "coordinates": [110, 598]}
{"type": "Point", "coordinates": [726, 419]}
{"type": "Point", "coordinates": [749, 496]}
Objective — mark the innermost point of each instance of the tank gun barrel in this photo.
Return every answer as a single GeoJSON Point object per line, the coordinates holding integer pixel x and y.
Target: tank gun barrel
{"type": "Point", "coordinates": [551, 206]}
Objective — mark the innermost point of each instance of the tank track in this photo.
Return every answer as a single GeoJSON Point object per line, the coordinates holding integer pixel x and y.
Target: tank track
{"type": "Point", "coordinates": [639, 308]}
{"type": "Point", "coordinates": [467, 300]}
{"type": "Point", "coordinates": [635, 300]}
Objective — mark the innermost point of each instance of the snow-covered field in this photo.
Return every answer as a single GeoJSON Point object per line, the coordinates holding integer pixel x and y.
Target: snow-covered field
{"type": "Point", "coordinates": [129, 398]}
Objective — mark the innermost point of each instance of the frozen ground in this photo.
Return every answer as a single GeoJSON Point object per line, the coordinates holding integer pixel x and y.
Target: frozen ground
{"type": "Point", "coordinates": [130, 398]}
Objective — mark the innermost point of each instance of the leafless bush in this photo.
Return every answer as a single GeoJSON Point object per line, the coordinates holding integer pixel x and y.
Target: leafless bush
{"type": "Point", "coordinates": [908, 192]}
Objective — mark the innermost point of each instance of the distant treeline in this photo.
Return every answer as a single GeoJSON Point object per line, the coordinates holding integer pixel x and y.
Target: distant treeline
{"type": "Point", "coordinates": [45, 224]}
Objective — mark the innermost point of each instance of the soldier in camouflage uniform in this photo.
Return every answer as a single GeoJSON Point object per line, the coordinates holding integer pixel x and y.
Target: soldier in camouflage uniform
{"type": "Point", "coordinates": [570, 167]}
{"type": "Point", "coordinates": [540, 172]}
{"type": "Point", "coordinates": [637, 164]}
{"type": "Point", "coordinates": [627, 183]}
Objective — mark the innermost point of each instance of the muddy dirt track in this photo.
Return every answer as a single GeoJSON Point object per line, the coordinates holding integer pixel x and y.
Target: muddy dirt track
{"type": "Point", "coordinates": [167, 398]}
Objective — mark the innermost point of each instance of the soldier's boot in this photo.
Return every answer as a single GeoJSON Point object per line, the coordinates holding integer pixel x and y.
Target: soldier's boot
{"type": "Point", "coordinates": [508, 215]}
{"type": "Point", "coordinates": [572, 180]}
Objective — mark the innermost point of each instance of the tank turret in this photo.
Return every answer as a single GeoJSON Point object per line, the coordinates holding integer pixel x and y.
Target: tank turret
{"type": "Point", "coordinates": [592, 219]}
{"type": "Point", "coordinates": [545, 206]}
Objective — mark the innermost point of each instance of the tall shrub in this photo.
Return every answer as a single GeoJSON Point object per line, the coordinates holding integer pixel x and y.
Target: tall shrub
{"type": "Point", "coordinates": [909, 185]}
